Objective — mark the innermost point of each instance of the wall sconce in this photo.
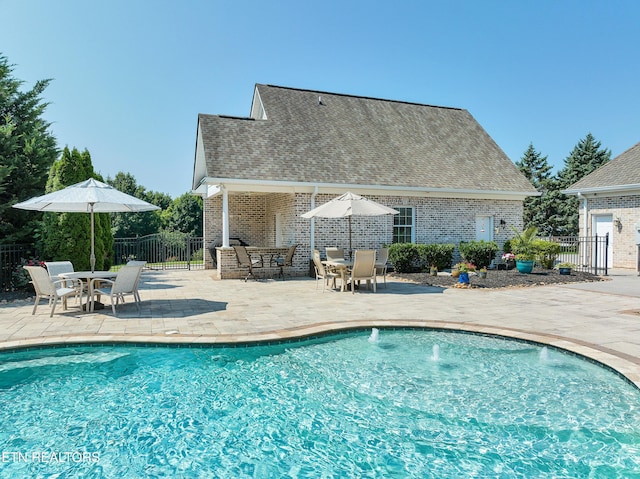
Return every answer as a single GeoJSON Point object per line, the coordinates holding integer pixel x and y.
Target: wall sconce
{"type": "Point", "coordinates": [617, 223]}
{"type": "Point", "coordinates": [500, 226]}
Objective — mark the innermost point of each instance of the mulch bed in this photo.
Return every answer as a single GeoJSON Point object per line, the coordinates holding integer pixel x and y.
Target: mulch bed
{"type": "Point", "coordinates": [501, 278]}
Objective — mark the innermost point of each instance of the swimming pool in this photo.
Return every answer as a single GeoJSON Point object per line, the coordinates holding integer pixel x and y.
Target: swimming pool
{"type": "Point", "coordinates": [412, 404]}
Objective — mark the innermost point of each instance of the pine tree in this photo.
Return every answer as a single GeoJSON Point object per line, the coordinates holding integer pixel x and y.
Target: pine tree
{"type": "Point", "coordinates": [585, 157]}
{"type": "Point", "coordinates": [67, 236]}
{"type": "Point", "coordinates": [539, 211]}
{"type": "Point", "coordinates": [27, 150]}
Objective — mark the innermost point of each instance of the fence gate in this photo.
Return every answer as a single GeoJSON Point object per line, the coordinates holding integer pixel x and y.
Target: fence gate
{"type": "Point", "coordinates": [11, 256]}
{"type": "Point", "coordinates": [587, 253]}
{"type": "Point", "coordinates": [161, 251]}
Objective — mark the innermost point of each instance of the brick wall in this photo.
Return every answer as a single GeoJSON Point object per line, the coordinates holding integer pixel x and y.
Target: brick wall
{"type": "Point", "coordinates": [438, 220]}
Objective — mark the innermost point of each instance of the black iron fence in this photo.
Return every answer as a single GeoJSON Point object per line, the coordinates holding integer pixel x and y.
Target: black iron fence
{"type": "Point", "coordinates": [12, 257]}
{"type": "Point", "coordinates": [586, 253]}
{"type": "Point", "coordinates": [161, 251]}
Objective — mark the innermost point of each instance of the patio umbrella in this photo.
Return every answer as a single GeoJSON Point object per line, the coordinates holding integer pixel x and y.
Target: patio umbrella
{"type": "Point", "coordinates": [349, 205]}
{"type": "Point", "coordinates": [89, 196]}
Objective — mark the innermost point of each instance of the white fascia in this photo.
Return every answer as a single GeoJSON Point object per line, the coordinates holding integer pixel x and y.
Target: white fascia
{"type": "Point", "coordinates": [274, 186]}
{"type": "Point", "coordinates": [617, 190]}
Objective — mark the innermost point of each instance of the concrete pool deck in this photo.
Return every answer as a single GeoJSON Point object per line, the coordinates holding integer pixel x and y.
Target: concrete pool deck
{"type": "Point", "coordinates": [598, 320]}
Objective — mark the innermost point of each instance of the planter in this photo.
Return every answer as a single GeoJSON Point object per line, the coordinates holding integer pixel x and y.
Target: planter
{"type": "Point", "coordinates": [524, 266]}
{"type": "Point", "coordinates": [464, 278]}
{"type": "Point", "coordinates": [511, 264]}
{"type": "Point", "coordinates": [482, 274]}
{"type": "Point", "coordinates": [455, 273]}
{"type": "Point", "coordinates": [433, 271]}
{"type": "Point", "coordinates": [566, 271]}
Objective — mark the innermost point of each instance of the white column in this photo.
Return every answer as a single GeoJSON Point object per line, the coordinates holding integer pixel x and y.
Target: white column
{"type": "Point", "coordinates": [225, 217]}
{"type": "Point", "coordinates": [312, 226]}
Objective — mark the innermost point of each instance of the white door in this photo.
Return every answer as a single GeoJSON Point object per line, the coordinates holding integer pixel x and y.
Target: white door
{"type": "Point", "coordinates": [602, 225]}
{"type": "Point", "coordinates": [484, 228]}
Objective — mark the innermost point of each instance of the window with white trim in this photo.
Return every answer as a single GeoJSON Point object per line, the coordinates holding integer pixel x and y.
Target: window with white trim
{"type": "Point", "coordinates": [404, 225]}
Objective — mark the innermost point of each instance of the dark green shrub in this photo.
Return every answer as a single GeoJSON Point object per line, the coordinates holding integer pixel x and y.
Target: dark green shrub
{"type": "Point", "coordinates": [546, 252]}
{"type": "Point", "coordinates": [404, 257]}
{"type": "Point", "coordinates": [480, 253]}
{"type": "Point", "coordinates": [507, 247]}
{"type": "Point", "coordinates": [439, 255]}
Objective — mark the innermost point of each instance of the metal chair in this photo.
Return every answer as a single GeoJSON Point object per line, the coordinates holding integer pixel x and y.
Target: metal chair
{"type": "Point", "coordinates": [285, 262]}
{"type": "Point", "coordinates": [246, 261]}
{"type": "Point", "coordinates": [53, 290]}
{"type": "Point", "coordinates": [381, 264]}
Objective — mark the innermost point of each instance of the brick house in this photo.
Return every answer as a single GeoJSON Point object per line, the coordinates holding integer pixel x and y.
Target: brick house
{"type": "Point", "coordinates": [610, 203]}
{"type": "Point", "coordinates": [300, 148]}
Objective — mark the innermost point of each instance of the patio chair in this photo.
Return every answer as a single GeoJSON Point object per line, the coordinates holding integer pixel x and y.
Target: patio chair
{"type": "Point", "coordinates": [137, 263]}
{"type": "Point", "coordinates": [53, 290]}
{"type": "Point", "coordinates": [285, 262]}
{"type": "Point", "coordinates": [126, 282]}
{"type": "Point", "coordinates": [334, 253]}
{"type": "Point", "coordinates": [364, 268]}
{"type": "Point", "coordinates": [322, 272]}
{"type": "Point", "coordinates": [246, 261]}
{"type": "Point", "coordinates": [381, 264]}
{"type": "Point", "coordinates": [56, 268]}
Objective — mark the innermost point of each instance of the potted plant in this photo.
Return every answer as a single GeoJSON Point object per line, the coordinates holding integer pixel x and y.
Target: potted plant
{"type": "Point", "coordinates": [482, 272]}
{"type": "Point", "coordinates": [565, 268]}
{"type": "Point", "coordinates": [465, 268]}
{"type": "Point", "coordinates": [509, 260]}
{"type": "Point", "coordinates": [433, 271]}
{"type": "Point", "coordinates": [524, 247]}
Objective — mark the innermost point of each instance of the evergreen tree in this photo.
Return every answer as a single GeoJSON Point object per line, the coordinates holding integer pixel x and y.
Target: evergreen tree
{"type": "Point", "coordinates": [67, 236]}
{"type": "Point", "coordinates": [27, 150]}
{"type": "Point", "coordinates": [585, 157]}
{"type": "Point", "coordinates": [539, 211]}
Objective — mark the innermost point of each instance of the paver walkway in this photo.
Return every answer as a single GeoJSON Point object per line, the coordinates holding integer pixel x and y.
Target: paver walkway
{"type": "Point", "coordinates": [599, 320]}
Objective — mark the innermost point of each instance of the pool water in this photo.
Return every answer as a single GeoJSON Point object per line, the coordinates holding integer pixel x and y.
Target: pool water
{"type": "Point", "coordinates": [341, 406]}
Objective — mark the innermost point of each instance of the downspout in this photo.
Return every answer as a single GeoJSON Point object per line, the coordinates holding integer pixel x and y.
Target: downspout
{"type": "Point", "coordinates": [312, 226]}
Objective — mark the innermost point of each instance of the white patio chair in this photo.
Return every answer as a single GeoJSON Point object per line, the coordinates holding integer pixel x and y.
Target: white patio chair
{"type": "Point", "coordinates": [137, 263]}
{"type": "Point", "coordinates": [126, 282]}
{"type": "Point", "coordinates": [322, 272]}
{"type": "Point", "coordinates": [381, 264]}
{"type": "Point", "coordinates": [56, 268]}
{"type": "Point", "coordinates": [52, 290]}
{"type": "Point", "coordinates": [364, 268]}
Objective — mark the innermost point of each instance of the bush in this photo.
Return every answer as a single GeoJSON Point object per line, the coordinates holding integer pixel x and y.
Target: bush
{"type": "Point", "coordinates": [404, 257]}
{"type": "Point", "coordinates": [480, 253]}
{"type": "Point", "coordinates": [439, 255]}
{"type": "Point", "coordinates": [546, 252]}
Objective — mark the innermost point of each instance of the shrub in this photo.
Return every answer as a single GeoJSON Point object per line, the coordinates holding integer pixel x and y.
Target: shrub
{"type": "Point", "coordinates": [480, 253]}
{"type": "Point", "coordinates": [439, 255]}
{"type": "Point", "coordinates": [404, 257]}
{"type": "Point", "coordinates": [546, 252]}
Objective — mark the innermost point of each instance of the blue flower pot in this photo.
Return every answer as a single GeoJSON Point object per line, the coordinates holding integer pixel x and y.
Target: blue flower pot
{"type": "Point", "coordinates": [524, 266]}
{"type": "Point", "coordinates": [463, 278]}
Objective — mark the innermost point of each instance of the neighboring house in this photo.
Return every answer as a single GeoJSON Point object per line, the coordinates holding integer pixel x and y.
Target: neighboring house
{"type": "Point", "coordinates": [301, 148]}
{"type": "Point", "coordinates": [610, 203]}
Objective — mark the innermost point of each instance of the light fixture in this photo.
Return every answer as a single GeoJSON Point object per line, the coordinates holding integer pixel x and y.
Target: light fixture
{"type": "Point", "coordinates": [617, 222]}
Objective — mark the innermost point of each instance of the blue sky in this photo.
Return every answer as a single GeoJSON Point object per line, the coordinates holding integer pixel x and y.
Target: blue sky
{"type": "Point", "coordinates": [131, 76]}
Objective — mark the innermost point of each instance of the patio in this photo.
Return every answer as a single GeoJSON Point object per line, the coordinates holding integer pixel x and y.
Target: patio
{"type": "Point", "coordinates": [598, 320]}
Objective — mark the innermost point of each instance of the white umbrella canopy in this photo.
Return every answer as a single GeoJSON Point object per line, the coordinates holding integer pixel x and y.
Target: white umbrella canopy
{"type": "Point", "coordinates": [348, 205]}
{"type": "Point", "coordinates": [89, 196]}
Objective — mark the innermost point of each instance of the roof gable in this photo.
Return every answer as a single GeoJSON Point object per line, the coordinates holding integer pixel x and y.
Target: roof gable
{"type": "Point", "coordinates": [624, 170]}
{"type": "Point", "coordinates": [319, 137]}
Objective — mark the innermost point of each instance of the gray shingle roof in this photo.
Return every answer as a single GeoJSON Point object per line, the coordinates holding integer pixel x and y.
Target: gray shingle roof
{"type": "Point", "coordinates": [357, 140]}
{"type": "Point", "coordinates": [622, 170]}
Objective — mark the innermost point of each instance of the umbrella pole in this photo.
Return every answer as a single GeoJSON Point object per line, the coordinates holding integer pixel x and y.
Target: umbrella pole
{"type": "Point", "coordinates": [350, 247]}
{"type": "Point", "coordinates": [92, 258]}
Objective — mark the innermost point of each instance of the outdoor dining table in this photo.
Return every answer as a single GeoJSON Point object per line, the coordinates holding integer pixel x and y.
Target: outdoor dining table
{"type": "Point", "coordinates": [341, 265]}
{"type": "Point", "coordinates": [88, 276]}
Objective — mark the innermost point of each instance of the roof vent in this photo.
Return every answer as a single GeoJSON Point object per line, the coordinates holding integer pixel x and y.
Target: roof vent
{"type": "Point", "coordinates": [320, 101]}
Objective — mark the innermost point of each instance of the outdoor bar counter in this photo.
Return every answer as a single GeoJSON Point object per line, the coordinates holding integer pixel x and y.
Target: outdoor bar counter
{"type": "Point", "coordinates": [227, 263]}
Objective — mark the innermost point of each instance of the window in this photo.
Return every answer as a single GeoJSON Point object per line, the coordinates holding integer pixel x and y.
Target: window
{"type": "Point", "coordinates": [403, 226]}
